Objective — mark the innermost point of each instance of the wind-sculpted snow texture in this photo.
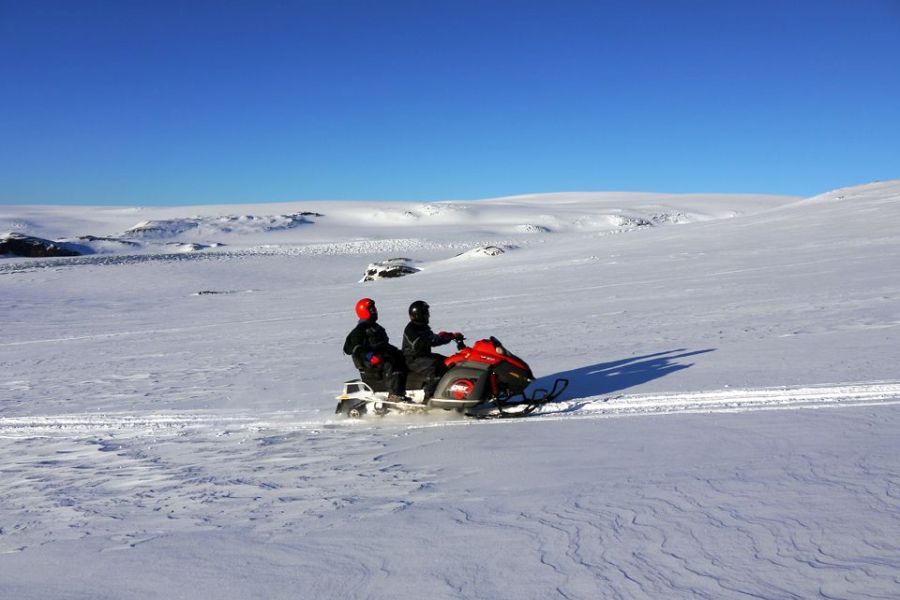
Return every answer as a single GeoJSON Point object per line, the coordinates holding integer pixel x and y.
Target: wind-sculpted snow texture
{"type": "Point", "coordinates": [730, 428]}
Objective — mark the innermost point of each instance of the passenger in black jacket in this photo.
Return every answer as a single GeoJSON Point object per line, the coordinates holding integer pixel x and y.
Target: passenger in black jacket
{"type": "Point", "coordinates": [371, 352]}
{"type": "Point", "coordinates": [418, 340]}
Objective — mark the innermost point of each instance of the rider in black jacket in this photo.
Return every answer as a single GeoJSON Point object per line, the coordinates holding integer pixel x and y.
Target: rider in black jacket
{"type": "Point", "coordinates": [418, 340]}
{"type": "Point", "coordinates": [369, 347]}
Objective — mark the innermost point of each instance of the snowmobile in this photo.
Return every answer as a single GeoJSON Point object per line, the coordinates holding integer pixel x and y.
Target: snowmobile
{"type": "Point", "coordinates": [482, 381]}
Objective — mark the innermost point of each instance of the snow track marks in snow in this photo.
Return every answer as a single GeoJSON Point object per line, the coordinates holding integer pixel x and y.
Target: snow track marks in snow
{"type": "Point", "coordinates": [719, 401]}
{"type": "Point", "coordinates": [730, 400]}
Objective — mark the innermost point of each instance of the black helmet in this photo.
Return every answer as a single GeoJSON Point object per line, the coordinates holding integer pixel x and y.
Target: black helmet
{"type": "Point", "coordinates": [418, 311]}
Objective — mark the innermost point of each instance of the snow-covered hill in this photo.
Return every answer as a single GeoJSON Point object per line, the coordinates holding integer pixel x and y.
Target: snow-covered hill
{"type": "Point", "coordinates": [166, 400]}
{"type": "Point", "coordinates": [297, 224]}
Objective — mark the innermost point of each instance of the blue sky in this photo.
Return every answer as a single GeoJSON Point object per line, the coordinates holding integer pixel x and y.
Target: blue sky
{"type": "Point", "coordinates": [131, 102]}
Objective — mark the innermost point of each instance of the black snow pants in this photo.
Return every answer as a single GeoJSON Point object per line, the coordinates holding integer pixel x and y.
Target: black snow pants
{"type": "Point", "coordinates": [392, 369]}
{"type": "Point", "coordinates": [431, 367]}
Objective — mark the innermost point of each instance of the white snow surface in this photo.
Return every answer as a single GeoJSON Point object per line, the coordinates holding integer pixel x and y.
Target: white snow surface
{"type": "Point", "coordinates": [731, 429]}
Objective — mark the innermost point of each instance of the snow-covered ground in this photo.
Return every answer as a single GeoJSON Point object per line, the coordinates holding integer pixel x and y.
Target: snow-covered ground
{"type": "Point", "coordinates": [732, 427]}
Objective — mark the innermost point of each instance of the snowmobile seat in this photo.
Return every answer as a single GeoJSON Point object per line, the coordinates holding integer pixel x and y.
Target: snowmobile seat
{"type": "Point", "coordinates": [374, 380]}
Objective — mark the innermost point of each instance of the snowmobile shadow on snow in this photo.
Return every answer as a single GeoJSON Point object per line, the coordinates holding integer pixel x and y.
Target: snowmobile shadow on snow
{"type": "Point", "coordinates": [609, 377]}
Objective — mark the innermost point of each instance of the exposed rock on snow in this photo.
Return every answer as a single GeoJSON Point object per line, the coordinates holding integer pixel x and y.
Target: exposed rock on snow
{"type": "Point", "coordinates": [161, 229]}
{"type": "Point", "coordinates": [169, 228]}
{"type": "Point", "coordinates": [246, 223]}
{"type": "Point", "coordinates": [219, 292]}
{"type": "Point", "coordinates": [674, 218]}
{"type": "Point", "coordinates": [624, 221]}
{"type": "Point", "coordinates": [92, 244]}
{"type": "Point", "coordinates": [436, 209]}
{"type": "Point", "coordinates": [483, 251]}
{"type": "Point", "coordinates": [630, 222]}
{"type": "Point", "coordinates": [19, 244]}
{"type": "Point", "coordinates": [531, 228]}
{"type": "Point", "coordinates": [178, 247]}
{"type": "Point", "coordinates": [390, 268]}
{"type": "Point", "coordinates": [94, 238]}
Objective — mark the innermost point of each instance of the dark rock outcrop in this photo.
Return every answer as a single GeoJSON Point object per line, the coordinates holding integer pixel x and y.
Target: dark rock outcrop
{"type": "Point", "coordinates": [95, 238]}
{"type": "Point", "coordinates": [18, 244]}
{"type": "Point", "coordinates": [483, 251]}
{"type": "Point", "coordinates": [386, 269]}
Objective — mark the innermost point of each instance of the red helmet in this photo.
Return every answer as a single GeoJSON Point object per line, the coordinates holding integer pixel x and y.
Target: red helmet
{"type": "Point", "coordinates": [365, 309]}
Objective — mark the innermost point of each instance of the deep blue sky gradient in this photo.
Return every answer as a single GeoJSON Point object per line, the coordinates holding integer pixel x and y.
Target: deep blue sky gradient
{"type": "Point", "coordinates": [134, 102]}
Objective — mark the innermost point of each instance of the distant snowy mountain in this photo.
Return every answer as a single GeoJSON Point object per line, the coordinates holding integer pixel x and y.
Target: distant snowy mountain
{"type": "Point", "coordinates": [293, 225]}
{"type": "Point", "coordinates": [729, 430]}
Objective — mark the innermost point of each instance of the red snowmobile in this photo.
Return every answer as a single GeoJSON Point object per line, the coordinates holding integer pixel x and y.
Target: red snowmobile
{"type": "Point", "coordinates": [483, 381]}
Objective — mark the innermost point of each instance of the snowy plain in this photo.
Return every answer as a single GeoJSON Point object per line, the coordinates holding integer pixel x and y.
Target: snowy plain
{"type": "Point", "coordinates": [731, 430]}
